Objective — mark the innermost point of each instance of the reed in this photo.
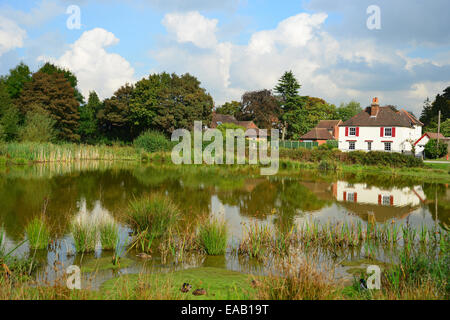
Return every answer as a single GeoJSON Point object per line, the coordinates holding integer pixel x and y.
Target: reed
{"type": "Point", "coordinates": [38, 233]}
{"type": "Point", "coordinates": [109, 235]}
{"type": "Point", "coordinates": [213, 237]}
{"type": "Point", "coordinates": [84, 236]}
{"type": "Point", "coordinates": [256, 240]}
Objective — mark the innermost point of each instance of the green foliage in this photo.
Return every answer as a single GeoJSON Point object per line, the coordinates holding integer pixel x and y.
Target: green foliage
{"type": "Point", "coordinates": [84, 236]}
{"type": "Point", "coordinates": [16, 80]}
{"type": "Point", "coordinates": [287, 86]}
{"type": "Point", "coordinates": [109, 235]}
{"type": "Point", "coordinates": [152, 141]}
{"type": "Point", "coordinates": [445, 128]}
{"type": "Point", "coordinates": [228, 126]}
{"type": "Point", "coordinates": [261, 107]}
{"type": "Point", "coordinates": [38, 234]}
{"type": "Point", "coordinates": [430, 111]}
{"type": "Point", "coordinates": [88, 129]}
{"type": "Point", "coordinates": [55, 94]}
{"type": "Point", "coordinates": [9, 124]}
{"type": "Point", "coordinates": [38, 127]}
{"type": "Point", "coordinates": [213, 237]}
{"type": "Point", "coordinates": [231, 108]}
{"type": "Point", "coordinates": [434, 151]}
{"type": "Point", "coordinates": [349, 110]}
{"type": "Point", "coordinates": [154, 214]}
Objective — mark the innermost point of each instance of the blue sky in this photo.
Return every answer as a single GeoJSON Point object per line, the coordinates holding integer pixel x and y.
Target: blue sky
{"type": "Point", "coordinates": [240, 45]}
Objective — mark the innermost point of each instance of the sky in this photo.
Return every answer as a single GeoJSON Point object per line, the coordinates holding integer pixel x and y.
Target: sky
{"type": "Point", "coordinates": [240, 45]}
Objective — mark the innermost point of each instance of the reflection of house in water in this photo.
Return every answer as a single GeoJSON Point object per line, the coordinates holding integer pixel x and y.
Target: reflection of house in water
{"type": "Point", "coordinates": [362, 199]}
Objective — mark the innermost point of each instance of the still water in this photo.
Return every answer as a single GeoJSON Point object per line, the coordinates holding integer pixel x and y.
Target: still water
{"type": "Point", "coordinates": [96, 189]}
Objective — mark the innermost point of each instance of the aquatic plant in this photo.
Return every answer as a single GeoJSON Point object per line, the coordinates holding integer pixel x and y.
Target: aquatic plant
{"type": "Point", "coordinates": [153, 214]}
{"type": "Point", "coordinates": [256, 240]}
{"type": "Point", "coordinates": [109, 235]}
{"type": "Point", "coordinates": [84, 236]}
{"type": "Point", "coordinates": [212, 236]}
{"type": "Point", "coordinates": [38, 233]}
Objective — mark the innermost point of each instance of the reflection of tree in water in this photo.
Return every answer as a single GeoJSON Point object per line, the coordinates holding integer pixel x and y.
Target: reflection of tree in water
{"type": "Point", "coordinates": [441, 192]}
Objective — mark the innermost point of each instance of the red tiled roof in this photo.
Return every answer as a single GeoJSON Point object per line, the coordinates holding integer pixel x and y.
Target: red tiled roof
{"type": "Point", "coordinates": [317, 134]}
{"type": "Point", "coordinates": [328, 124]}
{"type": "Point", "coordinates": [386, 116]}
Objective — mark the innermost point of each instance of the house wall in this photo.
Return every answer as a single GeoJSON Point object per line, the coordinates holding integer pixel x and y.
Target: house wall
{"type": "Point", "coordinates": [402, 141]}
{"type": "Point", "coordinates": [400, 197]}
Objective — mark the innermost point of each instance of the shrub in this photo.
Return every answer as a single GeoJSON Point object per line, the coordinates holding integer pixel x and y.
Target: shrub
{"type": "Point", "coordinates": [213, 237]}
{"type": "Point", "coordinates": [39, 127]}
{"type": "Point", "coordinates": [38, 234]}
{"type": "Point", "coordinates": [154, 214]}
{"type": "Point", "coordinates": [152, 141]}
{"type": "Point", "coordinates": [434, 151]}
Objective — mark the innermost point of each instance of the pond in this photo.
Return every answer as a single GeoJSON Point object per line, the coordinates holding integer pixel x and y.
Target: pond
{"type": "Point", "coordinates": [89, 190]}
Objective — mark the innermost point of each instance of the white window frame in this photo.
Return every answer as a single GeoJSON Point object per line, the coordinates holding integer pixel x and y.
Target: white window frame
{"type": "Point", "coordinates": [351, 197]}
{"type": "Point", "coordinates": [350, 143]}
{"type": "Point", "coordinates": [385, 132]}
{"type": "Point", "coordinates": [350, 132]}
{"type": "Point", "coordinates": [390, 146]}
{"type": "Point", "coordinates": [386, 200]}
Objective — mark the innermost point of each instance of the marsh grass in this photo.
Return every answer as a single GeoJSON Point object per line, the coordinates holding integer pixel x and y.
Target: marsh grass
{"type": "Point", "coordinates": [84, 236]}
{"type": "Point", "coordinates": [212, 235]}
{"type": "Point", "coordinates": [38, 233]}
{"type": "Point", "coordinates": [109, 235]}
{"type": "Point", "coordinates": [153, 214]}
{"type": "Point", "coordinates": [256, 240]}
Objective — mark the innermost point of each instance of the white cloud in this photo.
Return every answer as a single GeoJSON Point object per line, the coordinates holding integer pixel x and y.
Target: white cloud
{"type": "Point", "coordinates": [192, 27]}
{"type": "Point", "coordinates": [11, 35]}
{"type": "Point", "coordinates": [336, 70]}
{"type": "Point", "coordinates": [95, 68]}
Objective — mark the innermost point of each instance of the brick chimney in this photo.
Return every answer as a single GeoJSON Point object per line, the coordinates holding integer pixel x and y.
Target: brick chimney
{"type": "Point", "coordinates": [374, 108]}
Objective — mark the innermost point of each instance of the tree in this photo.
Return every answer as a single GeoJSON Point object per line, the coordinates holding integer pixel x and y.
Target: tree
{"type": "Point", "coordinates": [16, 80]}
{"type": "Point", "coordinates": [9, 115]}
{"type": "Point", "coordinates": [429, 116]}
{"type": "Point", "coordinates": [261, 107]}
{"type": "Point", "coordinates": [445, 128]}
{"type": "Point", "coordinates": [166, 102]}
{"type": "Point", "coordinates": [349, 110]}
{"type": "Point", "coordinates": [114, 117]}
{"type": "Point", "coordinates": [50, 69]}
{"type": "Point", "coordinates": [433, 150]}
{"type": "Point", "coordinates": [231, 108]}
{"type": "Point", "coordinates": [287, 86]}
{"type": "Point", "coordinates": [88, 118]}
{"type": "Point", "coordinates": [53, 93]}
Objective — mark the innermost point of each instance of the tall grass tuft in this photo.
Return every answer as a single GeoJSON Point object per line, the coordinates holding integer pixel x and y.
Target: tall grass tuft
{"type": "Point", "coordinates": [109, 235]}
{"type": "Point", "coordinates": [213, 237]}
{"type": "Point", "coordinates": [153, 214]}
{"type": "Point", "coordinates": [256, 241]}
{"type": "Point", "coordinates": [84, 236]}
{"type": "Point", "coordinates": [38, 233]}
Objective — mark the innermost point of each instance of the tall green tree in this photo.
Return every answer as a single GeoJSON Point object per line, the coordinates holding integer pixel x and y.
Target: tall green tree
{"type": "Point", "coordinates": [430, 111]}
{"type": "Point", "coordinates": [88, 129]}
{"type": "Point", "coordinates": [9, 115]}
{"type": "Point", "coordinates": [287, 86]}
{"type": "Point", "coordinates": [231, 108]}
{"type": "Point", "coordinates": [53, 93]}
{"type": "Point", "coordinates": [114, 117]}
{"type": "Point", "coordinates": [349, 110]}
{"type": "Point", "coordinates": [16, 80]}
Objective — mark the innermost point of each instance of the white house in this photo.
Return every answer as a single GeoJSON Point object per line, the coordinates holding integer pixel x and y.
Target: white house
{"type": "Point", "coordinates": [380, 129]}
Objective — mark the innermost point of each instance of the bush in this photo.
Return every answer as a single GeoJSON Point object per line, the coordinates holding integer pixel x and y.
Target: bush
{"type": "Point", "coordinates": [39, 127]}
{"type": "Point", "coordinates": [152, 141]}
{"type": "Point", "coordinates": [434, 151]}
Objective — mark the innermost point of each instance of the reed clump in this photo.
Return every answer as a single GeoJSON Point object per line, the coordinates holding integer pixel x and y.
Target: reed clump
{"type": "Point", "coordinates": [84, 236]}
{"type": "Point", "coordinates": [38, 233]}
{"type": "Point", "coordinates": [109, 235]}
{"type": "Point", "coordinates": [213, 236]}
{"type": "Point", "coordinates": [256, 241]}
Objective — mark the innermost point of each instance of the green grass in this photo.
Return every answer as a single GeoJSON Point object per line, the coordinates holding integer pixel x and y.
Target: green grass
{"type": "Point", "coordinates": [109, 235]}
{"type": "Point", "coordinates": [38, 234]}
{"type": "Point", "coordinates": [213, 237]}
{"type": "Point", "coordinates": [84, 236]}
{"type": "Point", "coordinates": [154, 214]}
{"type": "Point", "coordinates": [220, 284]}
